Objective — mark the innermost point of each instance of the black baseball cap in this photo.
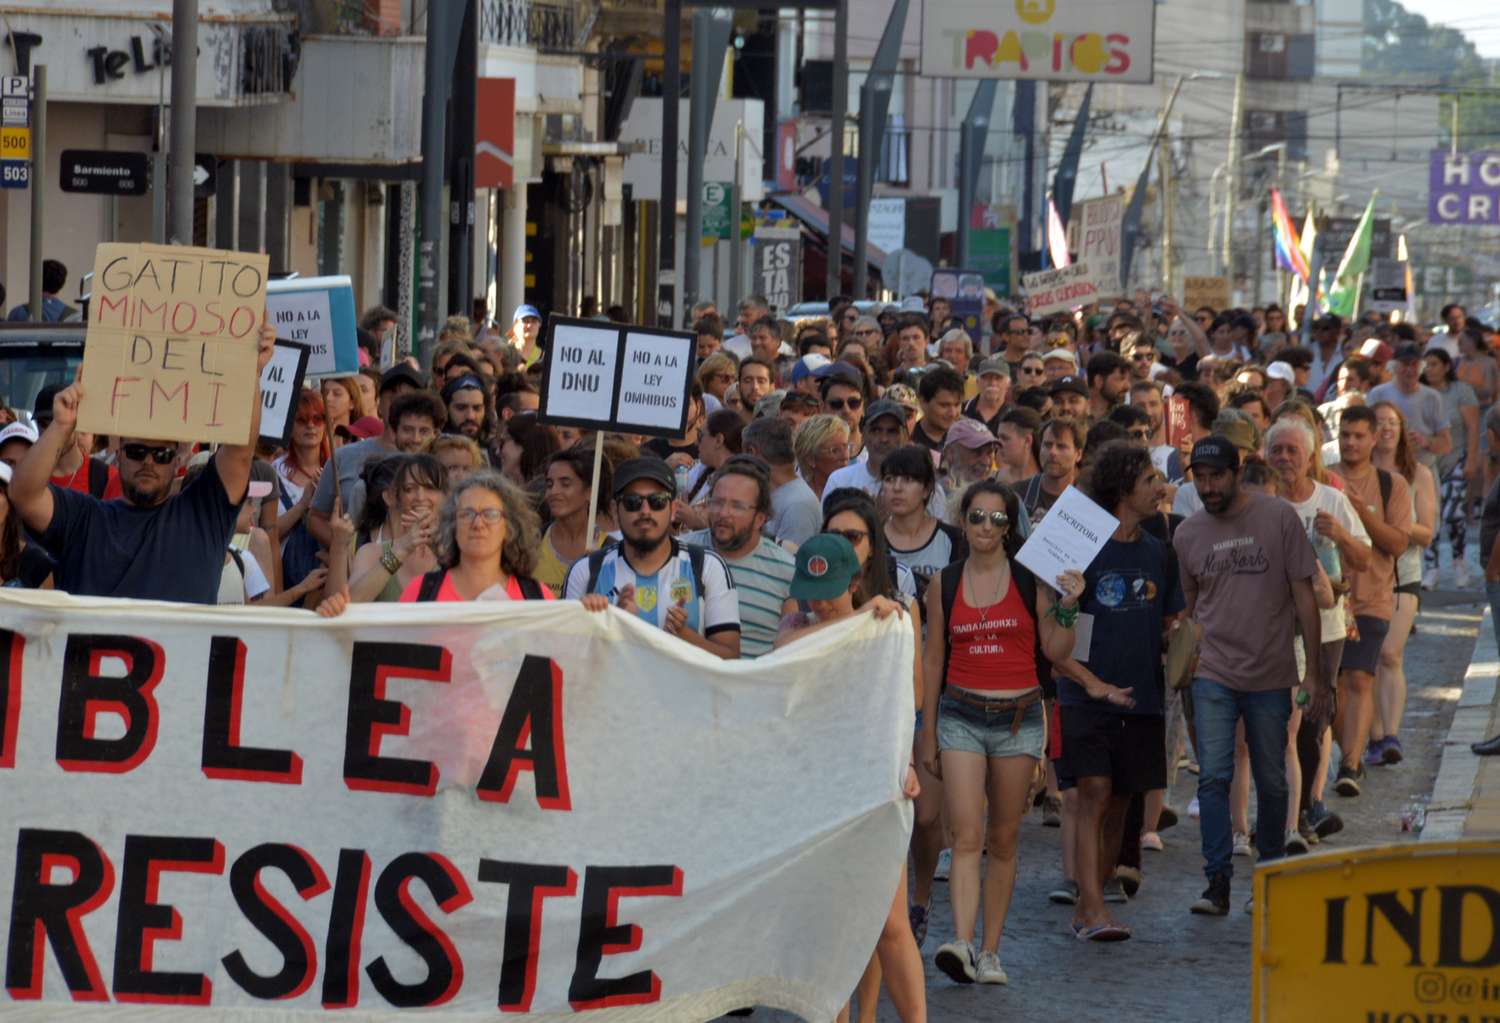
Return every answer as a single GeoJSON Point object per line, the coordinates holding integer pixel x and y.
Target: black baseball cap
{"type": "Point", "coordinates": [884, 407]}
{"type": "Point", "coordinates": [1215, 452]}
{"type": "Point", "coordinates": [1408, 352]}
{"type": "Point", "coordinates": [635, 469]}
{"type": "Point", "coordinates": [400, 373]}
{"type": "Point", "coordinates": [1074, 385]}
{"type": "Point", "coordinates": [42, 410]}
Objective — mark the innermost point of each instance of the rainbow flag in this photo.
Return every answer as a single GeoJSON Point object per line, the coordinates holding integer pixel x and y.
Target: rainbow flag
{"type": "Point", "coordinates": [1289, 254]}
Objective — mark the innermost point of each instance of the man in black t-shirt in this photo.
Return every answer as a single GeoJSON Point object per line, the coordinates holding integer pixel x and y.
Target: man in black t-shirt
{"type": "Point", "coordinates": [942, 395]}
{"type": "Point", "coordinates": [150, 545]}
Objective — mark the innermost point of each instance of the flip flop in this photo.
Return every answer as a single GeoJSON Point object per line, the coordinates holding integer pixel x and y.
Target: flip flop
{"type": "Point", "coordinates": [1101, 932]}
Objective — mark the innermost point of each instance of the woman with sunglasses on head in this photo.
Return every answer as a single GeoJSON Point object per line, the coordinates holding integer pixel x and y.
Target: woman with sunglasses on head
{"type": "Point", "coordinates": [299, 468]}
{"type": "Point", "coordinates": [991, 629]}
{"type": "Point", "coordinates": [852, 517]}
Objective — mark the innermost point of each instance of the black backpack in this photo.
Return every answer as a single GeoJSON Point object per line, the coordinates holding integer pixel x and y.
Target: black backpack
{"type": "Point", "coordinates": [596, 564]}
{"type": "Point", "coordinates": [433, 581]}
{"type": "Point", "coordinates": [951, 578]}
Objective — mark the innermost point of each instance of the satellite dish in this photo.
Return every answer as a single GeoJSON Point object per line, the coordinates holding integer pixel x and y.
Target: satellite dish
{"type": "Point", "coordinates": [906, 273]}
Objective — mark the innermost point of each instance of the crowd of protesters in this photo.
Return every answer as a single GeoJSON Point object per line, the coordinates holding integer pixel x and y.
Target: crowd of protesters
{"type": "Point", "coordinates": [1283, 500]}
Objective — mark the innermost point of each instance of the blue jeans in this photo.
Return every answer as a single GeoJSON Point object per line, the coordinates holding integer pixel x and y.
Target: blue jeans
{"type": "Point", "coordinates": [1216, 709]}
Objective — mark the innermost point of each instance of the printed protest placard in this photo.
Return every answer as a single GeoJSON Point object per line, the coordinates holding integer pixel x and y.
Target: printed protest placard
{"type": "Point", "coordinates": [1060, 290]}
{"type": "Point", "coordinates": [317, 312]}
{"type": "Point", "coordinates": [1069, 536]}
{"type": "Point", "coordinates": [280, 384]}
{"type": "Point", "coordinates": [171, 342]}
{"type": "Point", "coordinates": [1212, 292]}
{"type": "Point", "coordinates": [616, 377]}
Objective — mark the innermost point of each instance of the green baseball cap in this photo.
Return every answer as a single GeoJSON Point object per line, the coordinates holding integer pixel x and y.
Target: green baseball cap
{"type": "Point", "coordinates": [826, 565]}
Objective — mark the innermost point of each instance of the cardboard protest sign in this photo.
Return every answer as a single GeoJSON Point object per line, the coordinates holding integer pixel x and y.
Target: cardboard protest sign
{"type": "Point", "coordinates": [512, 810]}
{"type": "Point", "coordinates": [317, 312]}
{"type": "Point", "coordinates": [172, 342]}
{"type": "Point", "coordinates": [605, 376]}
{"type": "Point", "coordinates": [1212, 292]}
{"type": "Point", "coordinates": [1060, 290]}
{"type": "Point", "coordinates": [280, 384]}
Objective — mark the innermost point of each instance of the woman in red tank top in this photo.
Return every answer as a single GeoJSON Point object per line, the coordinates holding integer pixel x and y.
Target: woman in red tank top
{"type": "Point", "coordinates": [989, 623]}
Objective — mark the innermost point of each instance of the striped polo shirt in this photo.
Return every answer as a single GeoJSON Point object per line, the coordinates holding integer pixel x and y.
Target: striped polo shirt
{"type": "Point", "coordinates": [763, 580]}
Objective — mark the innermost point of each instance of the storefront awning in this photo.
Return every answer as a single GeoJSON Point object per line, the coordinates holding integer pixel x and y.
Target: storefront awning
{"type": "Point", "coordinates": [816, 218]}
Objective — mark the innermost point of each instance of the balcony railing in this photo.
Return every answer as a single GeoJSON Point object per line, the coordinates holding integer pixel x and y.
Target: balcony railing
{"type": "Point", "coordinates": [541, 26]}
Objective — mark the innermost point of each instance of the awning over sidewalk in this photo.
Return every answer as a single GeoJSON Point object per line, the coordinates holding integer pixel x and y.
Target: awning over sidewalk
{"type": "Point", "coordinates": [816, 218]}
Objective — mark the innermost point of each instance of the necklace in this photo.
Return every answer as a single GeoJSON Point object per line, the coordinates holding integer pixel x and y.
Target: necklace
{"type": "Point", "coordinates": [984, 610]}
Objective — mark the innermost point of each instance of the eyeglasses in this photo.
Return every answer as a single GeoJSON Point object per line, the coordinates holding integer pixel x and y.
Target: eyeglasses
{"type": "Point", "coordinates": [141, 452]}
{"type": "Point", "coordinates": [468, 516]}
{"type": "Point", "coordinates": [1146, 356]}
{"type": "Point", "coordinates": [1018, 330]}
{"type": "Point", "coordinates": [310, 420]}
{"type": "Point", "coordinates": [1033, 370]}
{"type": "Point", "coordinates": [978, 517]}
{"type": "Point", "coordinates": [1140, 433]}
{"type": "Point", "coordinates": [839, 404]}
{"type": "Point", "coordinates": [658, 501]}
{"type": "Point", "coordinates": [854, 536]}
{"type": "Point", "coordinates": [718, 504]}
{"type": "Point", "coordinates": [867, 332]}
{"type": "Point", "coordinates": [727, 378]}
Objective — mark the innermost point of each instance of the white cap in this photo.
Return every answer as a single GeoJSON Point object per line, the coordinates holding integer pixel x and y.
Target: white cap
{"type": "Point", "coordinates": [1283, 371]}
{"type": "Point", "coordinates": [19, 430]}
{"type": "Point", "coordinates": [1060, 353]}
{"type": "Point", "coordinates": [914, 305]}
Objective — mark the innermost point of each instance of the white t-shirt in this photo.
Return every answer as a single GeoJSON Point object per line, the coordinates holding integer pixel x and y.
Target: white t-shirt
{"type": "Point", "coordinates": [1187, 502]}
{"type": "Point", "coordinates": [1332, 501]}
{"type": "Point", "coordinates": [235, 588]}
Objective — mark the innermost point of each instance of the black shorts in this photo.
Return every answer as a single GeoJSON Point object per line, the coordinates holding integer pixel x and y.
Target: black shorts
{"type": "Point", "coordinates": [1364, 655]}
{"type": "Point", "coordinates": [1128, 749]}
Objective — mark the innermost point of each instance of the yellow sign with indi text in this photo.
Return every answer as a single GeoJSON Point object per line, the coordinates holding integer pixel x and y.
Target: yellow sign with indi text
{"type": "Point", "coordinates": [15, 143]}
{"type": "Point", "coordinates": [1392, 934]}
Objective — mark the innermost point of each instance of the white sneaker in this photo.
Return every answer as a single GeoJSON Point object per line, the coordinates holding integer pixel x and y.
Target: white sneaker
{"type": "Point", "coordinates": [1430, 579]}
{"type": "Point", "coordinates": [1193, 808]}
{"type": "Point", "coordinates": [1241, 844]}
{"type": "Point", "coordinates": [944, 865]}
{"type": "Point", "coordinates": [956, 959]}
{"type": "Point", "coordinates": [1460, 575]}
{"type": "Point", "coordinates": [1151, 840]}
{"type": "Point", "coordinates": [989, 970]}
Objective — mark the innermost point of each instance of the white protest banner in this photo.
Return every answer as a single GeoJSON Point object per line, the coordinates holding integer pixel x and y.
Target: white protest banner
{"type": "Point", "coordinates": [887, 224]}
{"type": "Point", "coordinates": [171, 342]}
{"type": "Point", "coordinates": [617, 377]}
{"type": "Point", "coordinates": [1069, 537]}
{"type": "Point", "coordinates": [1060, 290]}
{"type": "Point", "coordinates": [317, 312]}
{"type": "Point", "coordinates": [280, 386]}
{"type": "Point", "coordinates": [513, 810]}
{"type": "Point", "coordinates": [1099, 224]}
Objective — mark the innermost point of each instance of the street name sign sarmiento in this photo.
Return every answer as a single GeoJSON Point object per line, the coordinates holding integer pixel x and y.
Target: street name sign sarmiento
{"type": "Point", "coordinates": [617, 377]}
{"type": "Point", "coordinates": [171, 342]}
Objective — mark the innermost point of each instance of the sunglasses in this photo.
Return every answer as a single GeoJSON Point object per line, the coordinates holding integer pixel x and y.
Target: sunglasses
{"type": "Point", "coordinates": [1143, 356]}
{"type": "Point", "coordinates": [978, 517]}
{"type": "Point", "coordinates": [1033, 370]}
{"type": "Point", "coordinates": [658, 501]}
{"type": "Point", "coordinates": [1140, 433]}
{"type": "Point", "coordinates": [310, 420]}
{"type": "Point", "coordinates": [1058, 342]}
{"type": "Point", "coordinates": [141, 452]}
{"type": "Point", "coordinates": [839, 404]}
{"type": "Point", "coordinates": [854, 536]}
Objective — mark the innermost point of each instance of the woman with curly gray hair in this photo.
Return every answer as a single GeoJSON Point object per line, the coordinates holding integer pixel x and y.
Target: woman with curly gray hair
{"type": "Point", "coordinates": [487, 541]}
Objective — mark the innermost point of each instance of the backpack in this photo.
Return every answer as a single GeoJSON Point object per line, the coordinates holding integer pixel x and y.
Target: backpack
{"type": "Point", "coordinates": [433, 581]}
{"type": "Point", "coordinates": [951, 578]}
{"type": "Point", "coordinates": [596, 564]}
{"type": "Point", "coordinates": [98, 478]}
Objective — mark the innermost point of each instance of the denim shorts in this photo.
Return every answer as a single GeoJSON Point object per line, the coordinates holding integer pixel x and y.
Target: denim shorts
{"type": "Point", "coordinates": [965, 728]}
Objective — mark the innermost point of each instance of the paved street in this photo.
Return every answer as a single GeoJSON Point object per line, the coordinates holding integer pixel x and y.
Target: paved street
{"type": "Point", "coordinates": [1179, 966]}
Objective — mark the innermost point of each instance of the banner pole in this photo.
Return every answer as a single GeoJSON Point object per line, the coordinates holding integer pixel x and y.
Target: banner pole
{"type": "Point", "coordinates": [588, 537]}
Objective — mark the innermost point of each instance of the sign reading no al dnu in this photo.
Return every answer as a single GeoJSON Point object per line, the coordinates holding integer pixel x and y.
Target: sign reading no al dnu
{"type": "Point", "coordinates": [616, 377]}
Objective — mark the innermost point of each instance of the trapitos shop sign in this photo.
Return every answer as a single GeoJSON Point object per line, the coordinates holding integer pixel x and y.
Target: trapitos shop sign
{"type": "Point", "coordinates": [1047, 40]}
{"type": "Point", "coordinates": [1393, 934]}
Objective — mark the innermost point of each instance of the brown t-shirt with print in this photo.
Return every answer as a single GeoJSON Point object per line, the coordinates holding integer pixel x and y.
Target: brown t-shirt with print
{"type": "Point", "coordinates": [1373, 591]}
{"type": "Point", "coordinates": [1242, 567]}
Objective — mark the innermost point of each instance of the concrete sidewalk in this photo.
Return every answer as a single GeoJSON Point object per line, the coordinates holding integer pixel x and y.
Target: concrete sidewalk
{"type": "Point", "coordinates": [1466, 794]}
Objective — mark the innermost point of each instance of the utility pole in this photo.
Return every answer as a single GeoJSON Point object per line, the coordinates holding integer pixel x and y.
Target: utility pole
{"type": "Point", "coordinates": [1226, 254]}
{"type": "Point", "coordinates": [38, 184]}
{"type": "Point", "coordinates": [442, 38]}
{"type": "Point", "coordinates": [711, 32]}
{"type": "Point", "coordinates": [461, 165]}
{"type": "Point", "coordinates": [184, 139]}
{"type": "Point", "coordinates": [666, 222]}
{"type": "Point", "coordinates": [1166, 213]}
{"type": "Point", "coordinates": [835, 280]}
{"type": "Point", "coordinates": [736, 243]}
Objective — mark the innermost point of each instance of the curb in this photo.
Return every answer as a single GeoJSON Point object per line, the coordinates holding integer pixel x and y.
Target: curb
{"type": "Point", "coordinates": [1458, 773]}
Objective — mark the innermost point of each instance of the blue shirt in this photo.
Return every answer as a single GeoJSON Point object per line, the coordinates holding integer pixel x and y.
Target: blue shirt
{"type": "Point", "coordinates": [174, 551]}
{"type": "Point", "coordinates": [1129, 589]}
{"type": "Point", "coordinates": [53, 310]}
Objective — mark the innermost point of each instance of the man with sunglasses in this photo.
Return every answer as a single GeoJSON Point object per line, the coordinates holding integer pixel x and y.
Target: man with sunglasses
{"type": "Point", "coordinates": [1015, 334]}
{"type": "Point", "coordinates": [843, 395]}
{"type": "Point", "coordinates": [151, 545]}
{"type": "Point", "coordinates": [684, 590]}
